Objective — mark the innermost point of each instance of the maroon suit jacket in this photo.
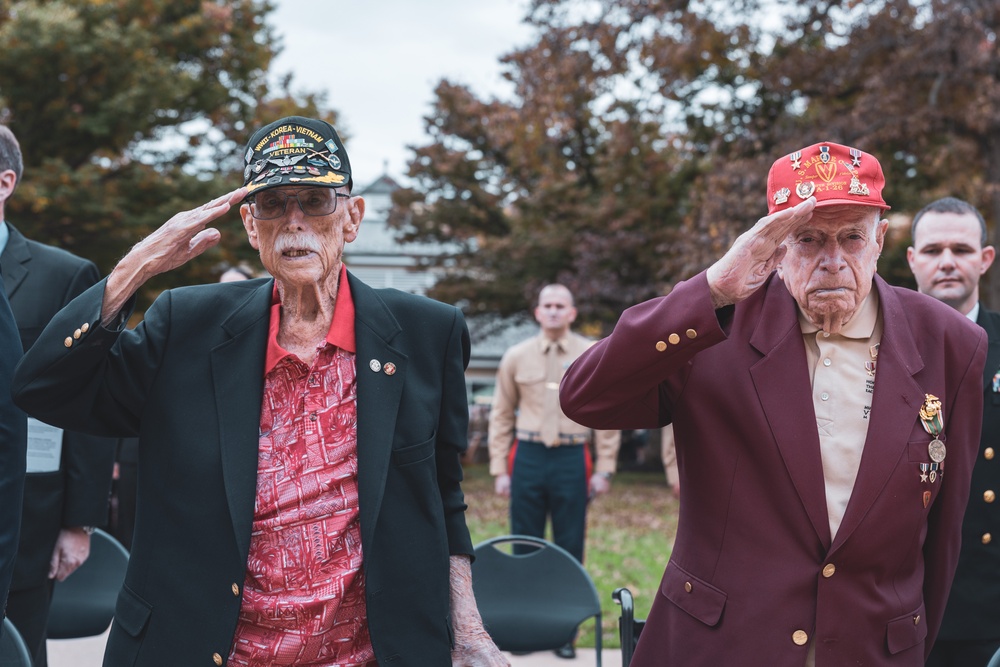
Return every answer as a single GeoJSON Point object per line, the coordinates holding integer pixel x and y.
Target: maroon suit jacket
{"type": "Point", "coordinates": [753, 565]}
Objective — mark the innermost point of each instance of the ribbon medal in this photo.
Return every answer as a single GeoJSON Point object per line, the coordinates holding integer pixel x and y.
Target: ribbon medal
{"type": "Point", "coordinates": [932, 419]}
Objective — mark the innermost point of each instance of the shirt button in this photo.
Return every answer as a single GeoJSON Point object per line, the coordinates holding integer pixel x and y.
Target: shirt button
{"type": "Point", "coordinates": [989, 496]}
{"type": "Point", "coordinates": [827, 362]}
{"type": "Point", "coordinates": [987, 538]}
{"type": "Point", "coordinates": [988, 453]}
{"type": "Point", "coordinates": [217, 659]}
{"type": "Point", "coordinates": [800, 637]}
{"type": "Point", "coordinates": [312, 416]}
{"type": "Point", "coordinates": [825, 396]}
{"type": "Point", "coordinates": [236, 590]}
{"type": "Point", "coordinates": [829, 569]}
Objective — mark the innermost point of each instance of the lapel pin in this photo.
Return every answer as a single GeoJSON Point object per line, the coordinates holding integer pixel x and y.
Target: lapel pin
{"type": "Point", "coordinates": [375, 365]}
{"type": "Point", "coordinates": [927, 498]}
{"type": "Point", "coordinates": [389, 368]}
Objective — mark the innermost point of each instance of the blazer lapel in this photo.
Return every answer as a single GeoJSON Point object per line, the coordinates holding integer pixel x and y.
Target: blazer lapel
{"type": "Point", "coordinates": [238, 374]}
{"type": "Point", "coordinates": [993, 353]}
{"type": "Point", "coordinates": [895, 403]}
{"type": "Point", "coordinates": [781, 380]}
{"type": "Point", "coordinates": [379, 395]}
{"type": "Point", "coordinates": [14, 260]}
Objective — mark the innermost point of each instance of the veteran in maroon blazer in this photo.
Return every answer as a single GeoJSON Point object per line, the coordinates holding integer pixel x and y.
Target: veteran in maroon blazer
{"type": "Point", "coordinates": [826, 425]}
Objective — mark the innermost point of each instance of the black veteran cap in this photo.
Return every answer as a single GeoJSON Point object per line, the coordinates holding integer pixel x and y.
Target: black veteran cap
{"type": "Point", "coordinates": [296, 151]}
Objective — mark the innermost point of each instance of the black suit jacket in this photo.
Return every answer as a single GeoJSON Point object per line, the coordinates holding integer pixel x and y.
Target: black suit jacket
{"type": "Point", "coordinates": [39, 280]}
{"type": "Point", "coordinates": [13, 437]}
{"type": "Point", "coordinates": [973, 610]}
{"type": "Point", "coordinates": [189, 382]}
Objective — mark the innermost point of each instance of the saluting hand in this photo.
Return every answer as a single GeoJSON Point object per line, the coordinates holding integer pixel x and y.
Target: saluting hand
{"type": "Point", "coordinates": [756, 253]}
{"type": "Point", "coordinates": [180, 239]}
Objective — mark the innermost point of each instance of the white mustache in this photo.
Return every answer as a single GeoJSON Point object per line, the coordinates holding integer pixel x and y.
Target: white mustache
{"type": "Point", "coordinates": [283, 243]}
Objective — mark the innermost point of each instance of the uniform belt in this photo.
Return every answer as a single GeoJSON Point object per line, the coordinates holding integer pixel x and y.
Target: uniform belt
{"type": "Point", "coordinates": [564, 438]}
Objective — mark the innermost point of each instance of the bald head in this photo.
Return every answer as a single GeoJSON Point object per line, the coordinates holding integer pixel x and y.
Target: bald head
{"type": "Point", "coordinates": [555, 311]}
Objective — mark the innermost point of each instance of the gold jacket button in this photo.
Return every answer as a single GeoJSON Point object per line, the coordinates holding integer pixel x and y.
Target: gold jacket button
{"type": "Point", "coordinates": [800, 637]}
{"type": "Point", "coordinates": [660, 346]}
{"type": "Point", "coordinates": [989, 496]}
{"type": "Point", "coordinates": [77, 334]}
{"type": "Point", "coordinates": [691, 333]}
{"type": "Point", "coordinates": [236, 590]}
{"type": "Point", "coordinates": [673, 339]}
{"type": "Point", "coordinates": [829, 569]}
{"type": "Point", "coordinates": [217, 659]}
{"type": "Point", "coordinates": [988, 453]}
{"type": "Point", "coordinates": [916, 620]}
{"type": "Point", "coordinates": [85, 327]}
{"type": "Point", "coordinates": [68, 342]}
{"type": "Point", "coordinates": [688, 587]}
{"type": "Point", "coordinates": [987, 538]}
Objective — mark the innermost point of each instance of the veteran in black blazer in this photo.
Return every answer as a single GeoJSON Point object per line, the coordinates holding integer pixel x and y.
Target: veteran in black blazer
{"type": "Point", "coordinates": [189, 382]}
{"type": "Point", "coordinates": [13, 438]}
{"type": "Point", "coordinates": [948, 256]}
{"type": "Point", "coordinates": [68, 498]}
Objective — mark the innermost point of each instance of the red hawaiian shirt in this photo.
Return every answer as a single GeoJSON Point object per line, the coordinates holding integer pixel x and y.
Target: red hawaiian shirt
{"type": "Point", "coordinates": [304, 593]}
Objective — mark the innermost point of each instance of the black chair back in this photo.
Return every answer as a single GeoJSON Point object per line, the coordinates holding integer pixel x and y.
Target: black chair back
{"type": "Point", "coordinates": [533, 600]}
{"type": "Point", "coordinates": [13, 652]}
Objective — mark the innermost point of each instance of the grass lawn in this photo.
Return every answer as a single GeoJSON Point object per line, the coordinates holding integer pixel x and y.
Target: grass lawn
{"type": "Point", "coordinates": [630, 532]}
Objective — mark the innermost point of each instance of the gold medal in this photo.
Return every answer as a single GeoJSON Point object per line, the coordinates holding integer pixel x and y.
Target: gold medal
{"type": "Point", "coordinates": [936, 450]}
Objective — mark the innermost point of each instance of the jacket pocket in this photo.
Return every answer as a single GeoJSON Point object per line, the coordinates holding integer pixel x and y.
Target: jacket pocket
{"type": "Point", "coordinates": [906, 631]}
{"type": "Point", "coordinates": [697, 597]}
{"type": "Point", "coordinates": [916, 450]}
{"type": "Point", "coordinates": [414, 453]}
{"type": "Point", "coordinates": [132, 612]}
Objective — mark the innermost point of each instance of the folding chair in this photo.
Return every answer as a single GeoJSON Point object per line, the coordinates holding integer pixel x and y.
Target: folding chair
{"type": "Point", "coordinates": [533, 601]}
{"type": "Point", "coordinates": [628, 627]}
{"type": "Point", "coordinates": [84, 604]}
{"type": "Point", "coordinates": [13, 652]}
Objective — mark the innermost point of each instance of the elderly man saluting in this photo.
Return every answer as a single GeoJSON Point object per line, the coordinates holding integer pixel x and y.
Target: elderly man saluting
{"type": "Point", "coordinates": [299, 478]}
{"type": "Point", "coordinates": [826, 425]}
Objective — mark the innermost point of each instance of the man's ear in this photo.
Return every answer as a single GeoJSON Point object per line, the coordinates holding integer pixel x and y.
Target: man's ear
{"type": "Point", "coordinates": [989, 254]}
{"type": "Point", "coordinates": [356, 213]}
{"type": "Point", "coordinates": [8, 181]}
{"type": "Point", "coordinates": [249, 224]}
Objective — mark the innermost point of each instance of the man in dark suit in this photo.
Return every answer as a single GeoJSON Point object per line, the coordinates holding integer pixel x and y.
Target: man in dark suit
{"type": "Point", "coordinates": [948, 256]}
{"type": "Point", "coordinates": [815, 409]}
{"type": "Point", "coordinates": [66, 490]}
{"type": "Point", "coordinates": [13, 441]}
{"type": "Point", "coordinates": [299, 438]}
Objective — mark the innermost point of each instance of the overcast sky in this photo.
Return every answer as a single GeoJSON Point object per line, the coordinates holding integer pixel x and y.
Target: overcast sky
{"type": "Point", "coordinates": [379, 61]}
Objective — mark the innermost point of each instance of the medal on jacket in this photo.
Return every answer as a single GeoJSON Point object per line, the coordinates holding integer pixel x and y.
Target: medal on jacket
{"type": "Point", "coordinates": [932, 419]}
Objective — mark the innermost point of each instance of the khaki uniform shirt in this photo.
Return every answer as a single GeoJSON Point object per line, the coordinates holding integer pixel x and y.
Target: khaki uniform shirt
{"type": "Point", "coordinates": [842, 368]}
{"type": "Point", "coordinates": [526, 402]}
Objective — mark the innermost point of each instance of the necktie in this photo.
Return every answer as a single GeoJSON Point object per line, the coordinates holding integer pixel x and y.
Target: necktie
{"type": "Point", "coordinates": [550, 407]}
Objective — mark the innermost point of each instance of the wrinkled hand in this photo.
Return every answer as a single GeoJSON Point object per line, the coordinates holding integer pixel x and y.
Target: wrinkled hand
{"type": "Point", "coordinates": [599, 484]}
{"type": "Point", "coordinates": [474, 648]}
{"type": "Point", "coordinates": [72, 550]}
{"type": "Point", "coordinates": [184, 236]}
{"type": "Point", "coordinates": [756, 253]}
{"type": "Point", "coordinates": [177, 241]}
{"type": "Point", "coordinates": [501, 485]}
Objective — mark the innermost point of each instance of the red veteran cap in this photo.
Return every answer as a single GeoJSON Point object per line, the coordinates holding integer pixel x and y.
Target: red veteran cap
{"type": "Point", "coordinates": [832, 173]}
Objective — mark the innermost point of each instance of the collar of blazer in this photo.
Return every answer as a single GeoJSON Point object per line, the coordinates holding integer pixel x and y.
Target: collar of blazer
{"type": "Point", "coordinates": [237, 367]}
{"type": "Point", "coordinates": [782, 383]}
{"type": "Point", "coordinates": [14, 260]}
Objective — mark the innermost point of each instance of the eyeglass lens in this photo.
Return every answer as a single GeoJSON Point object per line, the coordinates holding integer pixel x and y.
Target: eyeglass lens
{"type": "Point", "coordinates": [314, 201]}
